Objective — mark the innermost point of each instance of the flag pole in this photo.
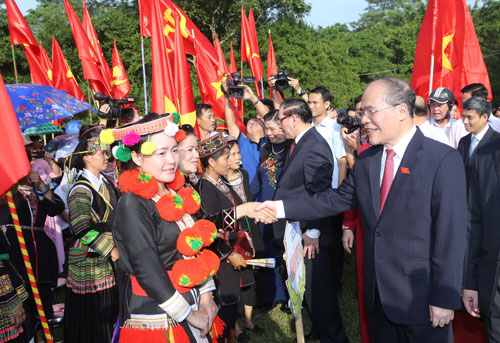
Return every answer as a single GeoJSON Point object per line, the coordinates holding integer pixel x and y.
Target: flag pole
{"type": "Point", "coordinates": [29, 268]}
{"type": "Point", "coordinates": [16, 75]}
{"type": "Point", "coordinates": [144, 77]}
{"type": "Point", "coordinates": [431, 79]}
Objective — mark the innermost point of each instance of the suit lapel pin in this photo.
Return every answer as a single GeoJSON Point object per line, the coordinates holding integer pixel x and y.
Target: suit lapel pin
{"type": "Point", "coordinates": [405, 170]}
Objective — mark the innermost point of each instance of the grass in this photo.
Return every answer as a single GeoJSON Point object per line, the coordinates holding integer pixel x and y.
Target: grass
{"type": "Point", "coordinates": [280, 327]}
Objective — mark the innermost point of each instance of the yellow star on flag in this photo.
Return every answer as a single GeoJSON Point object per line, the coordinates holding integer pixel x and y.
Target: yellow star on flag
{"type": "Point", "coordinates": [217, 86]}
{"type": "Point", "coordinates": [446, 62]}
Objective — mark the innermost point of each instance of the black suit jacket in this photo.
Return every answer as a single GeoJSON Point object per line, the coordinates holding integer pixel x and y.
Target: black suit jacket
{"type": "Point", "coordinates": [414, 250]}
{"type": "Point", "coordinates": [482, 258]}
{"type": "Point", "coordinates": [307, 171]}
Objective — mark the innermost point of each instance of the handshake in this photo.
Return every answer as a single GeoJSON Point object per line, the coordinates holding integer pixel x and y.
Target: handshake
{"type": "Point", "coordinates": [264, 212]}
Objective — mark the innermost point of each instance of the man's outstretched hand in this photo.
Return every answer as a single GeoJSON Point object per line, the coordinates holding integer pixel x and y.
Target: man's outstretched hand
{"type": "Point", "coordinates": [269, 206]}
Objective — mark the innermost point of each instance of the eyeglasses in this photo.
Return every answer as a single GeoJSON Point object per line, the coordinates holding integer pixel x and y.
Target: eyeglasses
{"type": "Point", "coordinates": [281, 119]}
{"type": "Point", "coordinates": [370, 113]}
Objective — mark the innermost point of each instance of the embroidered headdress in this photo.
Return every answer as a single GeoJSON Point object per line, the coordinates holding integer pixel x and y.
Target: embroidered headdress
{"type": "Point", "coordinates": [211, 145]}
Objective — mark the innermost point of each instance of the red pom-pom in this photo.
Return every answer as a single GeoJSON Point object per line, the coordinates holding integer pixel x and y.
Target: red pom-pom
{"type": "Point", "coordinates": [208, 231]}
{"type": "Point", "coordinates": [190, 272]}
{"type": "Point", "coordinates": [190, 241]}
{"type": "Point", "coordinates": [217, 329]}
{"type": "Point", "coordinates": [170, 207]}
{"type": "Point", "coordinates": [178, 182]}
{"type": "Point", "coordinates": [141, 184]}
{"type": "Point", "coordinates": [191, 199]}
{"type": "Point", "coordinates": [211, 260]}
{"type": "Point", "coordinates": [180, 136]}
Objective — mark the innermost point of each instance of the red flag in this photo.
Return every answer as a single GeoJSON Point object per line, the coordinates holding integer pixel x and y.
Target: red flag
{"type": "Point", "coordinates": [20, 32]}
{"type": "Point", "coordinates": [221, 60]}
{"type": "Point", "coordinates": [271, 61]}
{"type": "Point", "coordinates": [63, 78]}
{"type": "Point", "coordinates": [38, 69]}
{"type": "Point", "coordinates": [183, 87]}
{"type": "Point", "coordinates": [86, 53]}
{"type": "Point", "coordinates": [232, 61]}
{"type": "Point", "coordinates": [103, 65]}
{"type": "Point", "coordinates": [448, 33]}
{"type": "Point", "coordinates": [240, 105]}
{"type": "Point", "coordinates": [14, 164]}
{"type": "Point", "coordinates": [120, 83]}
{"type": "Point", "coordinates": [163, 95]}
{"type": "Point", "coordinates": [209, 80]}
{"type": "Point", "coordinates": [250, 48]}
{"type": "Point", "coordinates": [190, 32]}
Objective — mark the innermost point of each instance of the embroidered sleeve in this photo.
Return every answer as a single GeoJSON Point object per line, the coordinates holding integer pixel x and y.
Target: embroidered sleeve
{"type": "Point", "coordinates": [80, 213]}
{"type": "Point", "coordinates": [207, 286]}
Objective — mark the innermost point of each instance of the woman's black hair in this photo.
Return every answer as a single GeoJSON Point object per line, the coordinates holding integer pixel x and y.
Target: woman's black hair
{"type": "Point", "coordinates": [189, 129]}
{"type": "Point", "coordinates": [86, 132]}
{"type": "Point", "coordinates": [216, 155]}
{"type": "Point", "coordinates": [267, 148]}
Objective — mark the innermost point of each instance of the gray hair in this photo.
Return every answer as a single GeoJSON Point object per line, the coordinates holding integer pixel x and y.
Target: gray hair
{"type": "Point", "coordinates": [398, 91]}
{"type": "Point", "coordinates": [478, 105]}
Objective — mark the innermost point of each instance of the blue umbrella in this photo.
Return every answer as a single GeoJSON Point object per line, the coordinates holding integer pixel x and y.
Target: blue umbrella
{"type": "Point", "coordinates": [36, 104]}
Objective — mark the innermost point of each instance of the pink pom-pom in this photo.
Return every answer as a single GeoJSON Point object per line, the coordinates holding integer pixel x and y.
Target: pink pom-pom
{"type": "Point", "coordinates": [131, 139]}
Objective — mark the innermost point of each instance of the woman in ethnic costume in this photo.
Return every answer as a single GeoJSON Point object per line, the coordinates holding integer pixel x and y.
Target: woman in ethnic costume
{"type": "Point", "coordinates": [164, 278]}
{"type": "Point", "coordinates": [91, 306]}
{"type": "Point", "coordinates": [216, 196]}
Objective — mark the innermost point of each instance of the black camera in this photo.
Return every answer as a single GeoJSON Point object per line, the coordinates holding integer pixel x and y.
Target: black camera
{"type": "Point", "coordinates": [282, 79]}
{"type": "Point", "coordinates": [234, 90]}
{"type": "Point", "coordinates": [38, 154]}
{"type": "Point", "coordinates": [116, 112]}
{"type": "Point", "coordinates": [352, 123]}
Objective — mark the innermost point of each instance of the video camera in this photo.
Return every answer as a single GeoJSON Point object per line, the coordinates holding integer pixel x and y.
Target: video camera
{"type": "Point", "coordinates": [115, 111]}
{"type": "Point", "coordinates": [352, 123]}
{"type": "Point", "coordinates": [282, 79]}
{"type": "Point", "coordinates": [234, 90]}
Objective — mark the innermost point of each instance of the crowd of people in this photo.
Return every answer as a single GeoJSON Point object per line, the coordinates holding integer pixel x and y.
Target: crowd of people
{"type": "Point", "coordinates": [157, 219]}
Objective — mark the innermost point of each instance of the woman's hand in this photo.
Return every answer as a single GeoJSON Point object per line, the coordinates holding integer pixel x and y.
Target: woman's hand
{"type": "Point", "coordinates": [347, 240]}
{"type": "Point", "coordinates": [199, 320]}
{"type": "Point", "coordinates": [115, 255]}
{"type": "Point", "coordinates": [237, 261]}
{"type": "Point", "coordinates": [208, 305]}
{"type": "Point", "coordinates": [248, 209]}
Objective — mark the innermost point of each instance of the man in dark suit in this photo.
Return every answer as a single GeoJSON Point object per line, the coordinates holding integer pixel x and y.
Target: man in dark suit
{"type": "Point", "coordinates": [412, 195]}
{"type": "Point", "coordinates": [475, 118]}
{"type": "Point", "coordinates": [481, 294]}
{"type": "Point", "coordinates": [308, 170]}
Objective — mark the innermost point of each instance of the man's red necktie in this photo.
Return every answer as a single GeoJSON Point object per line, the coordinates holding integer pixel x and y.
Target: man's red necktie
{"type": "Point", "coordinates": [291, 149]}
{"type": "Point", "coordinates": [388, 177]}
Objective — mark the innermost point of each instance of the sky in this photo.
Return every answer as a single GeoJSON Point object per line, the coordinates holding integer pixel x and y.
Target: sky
{"type": "Point", "coordinates": [323, 12]}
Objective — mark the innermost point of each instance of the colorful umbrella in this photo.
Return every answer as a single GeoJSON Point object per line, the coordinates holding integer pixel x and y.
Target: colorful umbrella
{"type": "Point", "coordinates": [42, 129]}
{"type": "Point", "coordinates": [36, 104]}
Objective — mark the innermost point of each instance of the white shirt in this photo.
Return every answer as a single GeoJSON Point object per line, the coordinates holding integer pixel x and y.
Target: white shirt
{"type": "Point", "coordinates": [329, 129]}
{"type": "Point", "coordinates": [446, 129]}
{"type": "Point", "coordinates": [399, 150]}
{"type": "Point", "coordinates": [432, 132]}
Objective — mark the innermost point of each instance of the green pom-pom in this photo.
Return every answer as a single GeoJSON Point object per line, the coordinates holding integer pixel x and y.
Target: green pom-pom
{"type": "Point", "coordinates": [177, 117]}
{"type": "Point", "coordinates": [123, 154]}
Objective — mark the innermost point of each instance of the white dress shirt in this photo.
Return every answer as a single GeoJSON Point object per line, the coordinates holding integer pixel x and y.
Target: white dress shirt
{"type": "Point", "coordinates": [432, 132]}
{"type": "Point", "coordinates": [329, 129]}
{"type": "Point", "coordinates": [446, 129]}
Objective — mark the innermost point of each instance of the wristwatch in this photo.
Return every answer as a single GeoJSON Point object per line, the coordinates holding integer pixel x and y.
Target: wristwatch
{"type": "Point", "coordinates": [302, 92]}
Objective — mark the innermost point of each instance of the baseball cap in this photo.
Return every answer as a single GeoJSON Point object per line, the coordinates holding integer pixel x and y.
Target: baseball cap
{"type": "Point", "coordinates": [442, 95]}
